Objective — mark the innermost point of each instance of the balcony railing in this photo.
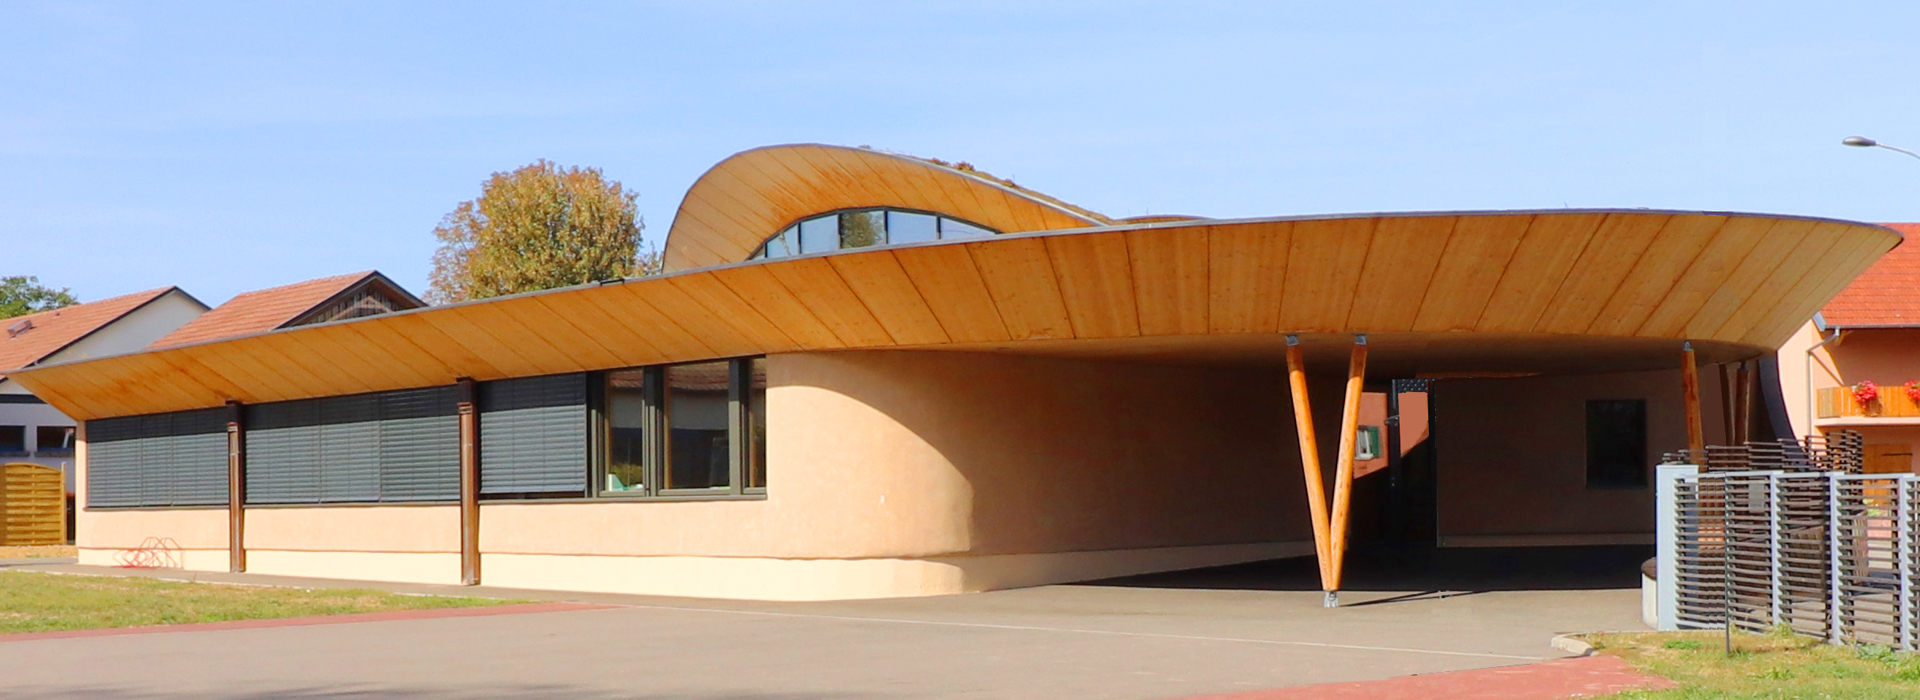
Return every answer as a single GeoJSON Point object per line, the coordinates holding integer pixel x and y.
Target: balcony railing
{"type": "Point", "coordinates": [1839, 402]}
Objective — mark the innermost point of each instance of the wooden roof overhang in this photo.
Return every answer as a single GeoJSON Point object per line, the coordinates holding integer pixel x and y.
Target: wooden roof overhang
{"type": "Point", "coordinates": [740, 202]}
{"type": "Point", "coordinates": [1541, 291]}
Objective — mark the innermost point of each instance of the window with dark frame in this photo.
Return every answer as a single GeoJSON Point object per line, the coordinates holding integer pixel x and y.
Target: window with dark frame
{"type": "Point", "coordinates": [686, 430]}
{"type": "Point", "coordinates": [1617, 444]}
{"type": "Point", "coordinates": [53, 441]}
{"type": "Point", "coordinates": [13, 440]}
{"type": "Point", "coordinates": [863, 228]}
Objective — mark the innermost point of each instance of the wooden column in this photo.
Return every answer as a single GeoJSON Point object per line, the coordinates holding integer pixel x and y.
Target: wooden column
{"type": "Point", "coordinates": [1343, 473]}
{"type": "Point", "coordinates": [469, 486]}
{"type": "Point", "coordinates": [1310, 462]}
{"type": "Point", "coordinates": [1690, 398]}
{"type": "Point", "coordinates": [1728, 399]}
{"type": "Point", "coordinates": [1743, 411]}
{"type": "Point", "coordinates": [236, 489]}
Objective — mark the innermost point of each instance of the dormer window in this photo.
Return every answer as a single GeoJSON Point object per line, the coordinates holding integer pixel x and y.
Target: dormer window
{"type": "Point", "coordinates": [864, 228]}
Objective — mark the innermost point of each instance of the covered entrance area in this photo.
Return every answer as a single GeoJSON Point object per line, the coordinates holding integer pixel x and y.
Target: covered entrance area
{"type": "Point", "coordinates": [1470, 462]}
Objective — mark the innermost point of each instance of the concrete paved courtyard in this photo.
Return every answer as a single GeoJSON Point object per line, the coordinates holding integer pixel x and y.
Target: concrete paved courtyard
{"type": "Point", "coordinates": [1164, 636]}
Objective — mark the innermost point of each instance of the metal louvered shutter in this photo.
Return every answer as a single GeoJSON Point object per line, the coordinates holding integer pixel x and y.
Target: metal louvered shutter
{"type": "Point", "coordinates": [349, 436]}
{"type": "Point", "coordinates": [113, 462]}
{"type": "Point", "coordinates": [158, 460]}
{"type": "Point", "coordinates": [283, 452]}
{"type": "Point", "coordinates": [533, 435]}
{"type": "Point", "coordinates": [198, 458]}
{"type": "Point", "coordinates": [419, 445]}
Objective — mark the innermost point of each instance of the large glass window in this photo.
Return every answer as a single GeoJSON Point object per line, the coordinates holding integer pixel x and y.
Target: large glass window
{"type": "Point", "coordinates": [697, 432]}
{"type": "Point", "coordinates": [863, 228]}
{"type": "Point", "coordinates": [755, 398]}
{"type": "Point", "coordinates": [628, 412]}
{"type": "Point", "coordinates": [685, 430]}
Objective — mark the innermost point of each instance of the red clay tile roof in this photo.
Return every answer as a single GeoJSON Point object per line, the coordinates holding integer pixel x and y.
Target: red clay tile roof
{"type": "Point", "coordinates": [1887, 294]}
{"type": "Point", "coordinates": [53, 330]}
{"type": "Point", "coordinates": [260, 311]}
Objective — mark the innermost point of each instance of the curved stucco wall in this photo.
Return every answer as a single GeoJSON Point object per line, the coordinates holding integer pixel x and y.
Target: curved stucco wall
{"type": "Point", "coordinates": [928, 454]}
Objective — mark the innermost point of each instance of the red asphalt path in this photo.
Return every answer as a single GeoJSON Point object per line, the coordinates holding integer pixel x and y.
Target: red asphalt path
{"type": "Point", "coordinates": [1551, 680]}
{"type": "Point", "coordinates": [348, 618]}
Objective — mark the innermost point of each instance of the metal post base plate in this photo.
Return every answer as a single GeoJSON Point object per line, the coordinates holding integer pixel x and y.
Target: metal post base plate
{"type": "Point", "coordinates": [1332, 601]}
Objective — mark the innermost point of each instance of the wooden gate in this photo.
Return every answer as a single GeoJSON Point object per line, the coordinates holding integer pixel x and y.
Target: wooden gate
{"type": "Point", "coordinates": [33, 505]}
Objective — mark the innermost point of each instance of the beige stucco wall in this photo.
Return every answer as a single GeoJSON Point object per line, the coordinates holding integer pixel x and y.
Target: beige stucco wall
{"type": "Point", "coordinates": [932, 454]}
{"type": "Point", "coordinates": [1512, 454]}
{"type": "Point", "coordinates": [891, 473]}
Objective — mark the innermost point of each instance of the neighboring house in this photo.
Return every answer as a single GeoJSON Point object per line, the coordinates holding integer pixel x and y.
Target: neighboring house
{"type": "Point", "coordinates": [30, 429]}
{"type": "Point", "coordinates": [337, 298]}
{"type": "Point", "coordinates": [1870, 332]}
{"type": "Point", "coordinates": [866, 374]}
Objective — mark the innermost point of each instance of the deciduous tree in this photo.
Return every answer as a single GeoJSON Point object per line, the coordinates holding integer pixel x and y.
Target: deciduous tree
{"type": "Point", "coordinates": [23, 295]}
{"type": "Point", "coordinates": [539, 227]}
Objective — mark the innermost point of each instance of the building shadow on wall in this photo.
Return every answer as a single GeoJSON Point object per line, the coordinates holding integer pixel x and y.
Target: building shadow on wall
{"type": "Point", "coordinates": [1423, 571]}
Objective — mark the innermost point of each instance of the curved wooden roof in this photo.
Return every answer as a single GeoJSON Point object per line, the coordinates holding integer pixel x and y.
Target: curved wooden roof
{"type": "Point", "coordinates": [1439, 292]}
{"type": "Point", "coordinates": [752, 195]}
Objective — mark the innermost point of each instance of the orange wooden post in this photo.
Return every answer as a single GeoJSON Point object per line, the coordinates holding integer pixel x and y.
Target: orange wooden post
{"type": "Point", "coordinates": [469, 485]}
{"type": "Point", "coordinates": [236, 489]}
{"type": "Point", "coordinates": [1343, 473]}
{"type": "Point", "coordinates": [1690, 398]}
{"type": "Point", "coordinates": [1310, 462]}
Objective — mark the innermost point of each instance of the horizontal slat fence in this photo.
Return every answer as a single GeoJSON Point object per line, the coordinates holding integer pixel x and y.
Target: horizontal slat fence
{"type": "Point", "coordinates": [1810, 543]}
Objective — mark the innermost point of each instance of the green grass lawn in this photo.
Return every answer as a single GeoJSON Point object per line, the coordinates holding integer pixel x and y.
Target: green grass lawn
{"type": "Point", "coordinates": [1776, 666]}
{"type": "Point", "coordinates": [37, 602]}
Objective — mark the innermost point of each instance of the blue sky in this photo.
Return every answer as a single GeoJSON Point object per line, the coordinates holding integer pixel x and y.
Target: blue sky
{"type": "Point", "coordinates": [232, 146]}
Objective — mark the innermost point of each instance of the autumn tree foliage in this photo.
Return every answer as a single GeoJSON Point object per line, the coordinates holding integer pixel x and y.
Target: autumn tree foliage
{"type": "Point", "coordinates": [539, 227]}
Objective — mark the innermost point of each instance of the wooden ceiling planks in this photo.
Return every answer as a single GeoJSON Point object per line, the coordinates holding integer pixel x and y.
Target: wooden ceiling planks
{"type": "Point", "coordinates": [1406, 252]}
{"type": "Point", "coordinates": [1479, 256]}
{"type": "Point", "coordinates": [953, 289]}
{"type": "Point", "coordinates": [1804, 259]}
{"type": "Point", "coordinates": [1024, 286]}
{"type": "Point", "coordinates": [1535, 262]}
{"type": "Point", "coordinates": [1094, 274]}
{"type": "Point", "coordinates": [1246, 269]}
{"type": "Point", "coordinates": [1170, 279]}
{"type": "Point", "coordinates": [1598, 273]}
{"type": "Point", "coordinates": [824, 292]}
{"type": "Point", "coordinates": [1710, 270]}
{"type": "Point", "coordinates": [1472, 279]}
{"type": "Point", "coordinates": [1655, 273]}
{"type": "Point", "coordinates": [1756, 267]}
{"type": "Point", "coordinates": [883, 287]}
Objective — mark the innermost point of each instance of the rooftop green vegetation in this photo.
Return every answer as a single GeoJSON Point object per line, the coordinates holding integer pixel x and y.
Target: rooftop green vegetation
{"type": "Point", "coordinates": [40, 602]}
{"type": "Point", "coordinates": [1778, 666]}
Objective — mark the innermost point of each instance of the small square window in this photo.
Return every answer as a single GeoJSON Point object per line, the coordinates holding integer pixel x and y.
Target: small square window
{"type": "Point", "coordinates": [1617, 444]}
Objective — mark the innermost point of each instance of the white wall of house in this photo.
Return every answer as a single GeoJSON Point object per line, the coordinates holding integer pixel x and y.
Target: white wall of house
{"type": "Point", "coordinates": [130, 333]}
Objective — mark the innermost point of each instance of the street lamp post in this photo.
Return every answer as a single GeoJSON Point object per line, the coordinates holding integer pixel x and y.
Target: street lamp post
{"type": "Point", "coordinates": [1864, 142]}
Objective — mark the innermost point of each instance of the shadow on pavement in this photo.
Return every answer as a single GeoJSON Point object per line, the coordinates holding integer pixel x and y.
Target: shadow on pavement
{"type": "Point", "coordinates": [1425, 572]}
